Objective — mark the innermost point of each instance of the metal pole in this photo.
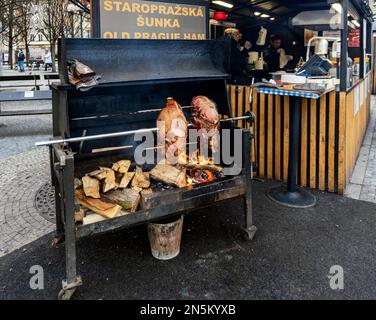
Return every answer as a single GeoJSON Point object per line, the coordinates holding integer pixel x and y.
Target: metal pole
{"type": "Point", "coordinates": [295, 114]}
{"type": "Point", "coordinates": [1, 49]}
{"type": "Point", "coordinates": [369, 37]}
{"type": "Point", "coordinates": [119, 134]}
{"type": "Point", "coordinates": [362, 32]}
{"type": "Point", "coordinates": [94, 137]}
{"type": "Point", "coordinates": [95, 19]}
{"type": "Point", "coordinates": [344, 36]}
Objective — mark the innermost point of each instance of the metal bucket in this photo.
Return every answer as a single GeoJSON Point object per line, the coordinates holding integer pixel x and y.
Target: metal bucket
{"type": "Point", "coordinates": [165, 239]}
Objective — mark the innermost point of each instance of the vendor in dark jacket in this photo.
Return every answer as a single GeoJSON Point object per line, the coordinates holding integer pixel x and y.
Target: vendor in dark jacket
{"type": "Point", "coordinates": [239, 59]}
{"type": "Point", "coordinates": [272, 55]}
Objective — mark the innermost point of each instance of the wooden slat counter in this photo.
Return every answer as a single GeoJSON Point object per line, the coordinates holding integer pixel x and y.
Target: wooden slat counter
{"type": "Point", "coordinates": [331, 134]}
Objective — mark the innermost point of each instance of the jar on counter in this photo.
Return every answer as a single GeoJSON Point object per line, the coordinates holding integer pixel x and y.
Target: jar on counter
{"type": "Point", "coordinates": [356, 66]}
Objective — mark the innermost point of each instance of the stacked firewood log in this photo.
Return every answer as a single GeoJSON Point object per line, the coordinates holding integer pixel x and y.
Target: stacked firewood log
{"type": "Point", "coordinates": [111, 192]}
{"type": "Point", "coordinates": [117, 191]}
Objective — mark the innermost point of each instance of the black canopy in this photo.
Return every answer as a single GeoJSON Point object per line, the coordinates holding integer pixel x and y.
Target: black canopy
{"type": "Point", "coordinates": [282, 9]}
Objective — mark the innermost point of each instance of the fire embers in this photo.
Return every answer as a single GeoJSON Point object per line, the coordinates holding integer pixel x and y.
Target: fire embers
{"type": "Point", "coordinates": [200, 169]}
{"type": "Point", "coordinates": [205, 118]}
{"type": "Point", "coordinates": [202, 176]}
{"type": "Point", "coordinates": [172, 131]}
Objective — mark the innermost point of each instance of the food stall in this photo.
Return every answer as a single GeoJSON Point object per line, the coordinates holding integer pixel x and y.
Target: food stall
{"type": "Point", "coordinates": [332, 124]}
{"type": "Point", "coordinates": [309, 138]}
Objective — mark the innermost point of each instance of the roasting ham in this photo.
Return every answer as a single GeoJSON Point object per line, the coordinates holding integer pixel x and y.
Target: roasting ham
{"type": "Point", "coordinates": [205, 117]}
{"type": "Point", "coordinates": [172, 131]}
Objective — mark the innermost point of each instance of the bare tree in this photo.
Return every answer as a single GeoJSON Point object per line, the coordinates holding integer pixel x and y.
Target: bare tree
{"type": "Point", "coordinates": [54, 22]}
{"type": "Point", "coordinates": [19, 21]}
{"type": "Point", "coordinates": [23, 23]}
{"type": "Point", "coordinates": [3, 16]}
{"type": "Point", "coordinates": [3, 28]}
{"type": "Point", "coordinates": [15, 19]}
{"type": "Point", "coordinates": [9, 30]}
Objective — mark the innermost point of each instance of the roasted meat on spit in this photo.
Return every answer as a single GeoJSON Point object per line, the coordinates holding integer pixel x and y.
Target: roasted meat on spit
{"type": "Point", "coordinates": [205, 117]}
{"type": "Point", "coordinates": [172, 131]}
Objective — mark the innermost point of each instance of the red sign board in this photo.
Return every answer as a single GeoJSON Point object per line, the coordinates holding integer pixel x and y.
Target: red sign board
{"type": "Point", "coordinates": [219, 15]}
{"type": "Point", "coordinates": [354, 38]}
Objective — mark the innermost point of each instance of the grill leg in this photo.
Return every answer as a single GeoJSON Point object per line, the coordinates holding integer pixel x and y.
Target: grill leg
{"type": "Point", "coordinates": [250, 229]}
{"type": "Point", "coordinates": [73, 281]}
{"type": "Point", "coordinates": [55, 182]}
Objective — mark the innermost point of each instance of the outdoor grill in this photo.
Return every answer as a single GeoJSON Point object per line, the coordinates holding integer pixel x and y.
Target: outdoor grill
{"type": "Point", "coordinates": [96, 127]}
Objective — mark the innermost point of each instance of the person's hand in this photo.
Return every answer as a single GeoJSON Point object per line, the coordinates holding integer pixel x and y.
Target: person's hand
{"type": "Point", "coordinates": [247, 45]}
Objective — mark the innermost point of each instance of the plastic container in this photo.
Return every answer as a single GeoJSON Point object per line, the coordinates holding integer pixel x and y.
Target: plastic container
{"type": "Point", "coordinates": [165, 238]}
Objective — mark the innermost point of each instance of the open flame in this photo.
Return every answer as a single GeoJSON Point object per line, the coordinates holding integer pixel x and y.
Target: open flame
{"type": "Point", "coordinates": [196, 174]}
{"type": "Point", "coordinates": [200, 160]}
{"type": "Point", "coordinates": [194, 159]}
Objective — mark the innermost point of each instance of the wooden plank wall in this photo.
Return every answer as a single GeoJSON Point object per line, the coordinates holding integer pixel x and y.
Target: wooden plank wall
{"type": "Point", "coordinates": [330, 136]}
{"type": "Point", "coordinates": [356, 123]}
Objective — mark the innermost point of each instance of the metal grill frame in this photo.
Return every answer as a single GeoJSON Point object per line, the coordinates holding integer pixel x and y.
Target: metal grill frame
{"type": "Point", "coordinates": [63, 163]}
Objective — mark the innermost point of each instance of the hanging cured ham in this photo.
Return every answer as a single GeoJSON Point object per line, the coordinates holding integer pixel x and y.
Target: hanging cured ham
{"type": "Point", "coordinates": [172, 131]}
{"type": "Point", "coordinates": [205, 116]}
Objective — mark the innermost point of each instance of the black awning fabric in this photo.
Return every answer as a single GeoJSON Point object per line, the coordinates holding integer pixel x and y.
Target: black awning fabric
{"type": "Point", "coordinates": [282, 9]}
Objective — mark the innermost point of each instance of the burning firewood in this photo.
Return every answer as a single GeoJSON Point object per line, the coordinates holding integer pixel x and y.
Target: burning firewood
{"type": "Point", "coordinates": [103, 206]}
{"type": "Point", "coordinates": [91, 187]}
{"type": "Point", "coordinates": [198, 162]}
{"type": "Point", "coordinates": [128, 199]}
{"type": "Point", "coordinates": [202, 176]}
{"type": "Point", "coordinates": [169, 175]}
{"type": "Point", "coordinates": [140, 180]}
{"type": "Point", "coordinates": [126, 179]}
{"type": "Point", "coordinates": [122, 166]}
{"type": "Point", "coordinates": [209, 167]}
{"type": "Point", "coordinates": [201, 167]}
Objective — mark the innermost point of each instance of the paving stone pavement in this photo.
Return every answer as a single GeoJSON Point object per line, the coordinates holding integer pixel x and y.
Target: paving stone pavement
{"type": "Point", "coordinates": [23, 170]}
{"type": "Point", "coordinates": [20, 178]}
{"type": "Point", "coordinates": [362, 184]}
{"type": "Point", "coordinates": [19, 133]}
